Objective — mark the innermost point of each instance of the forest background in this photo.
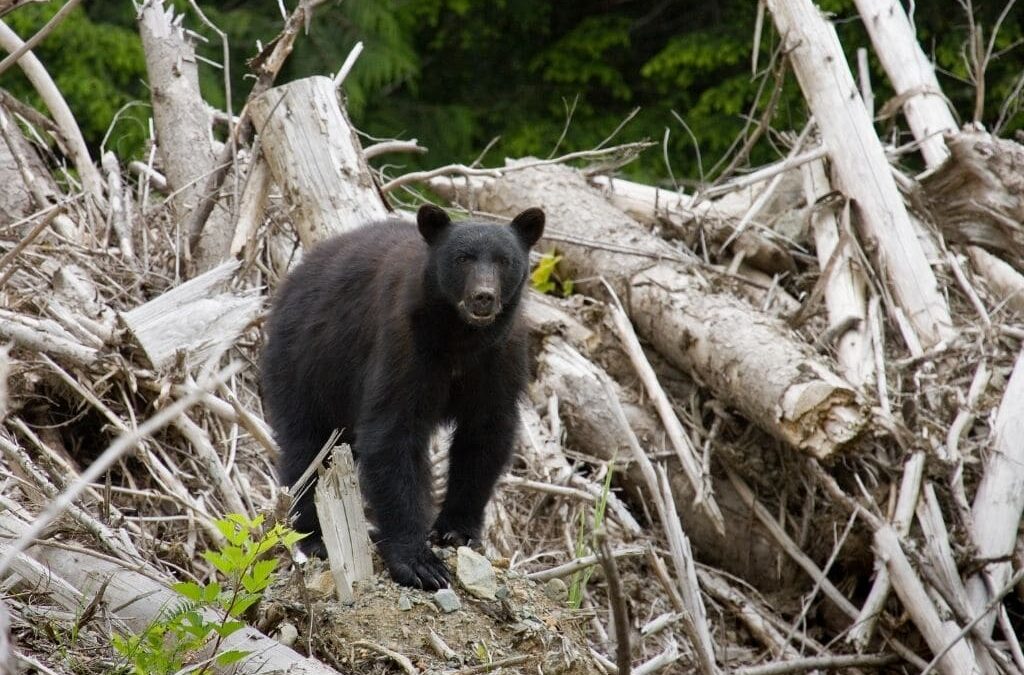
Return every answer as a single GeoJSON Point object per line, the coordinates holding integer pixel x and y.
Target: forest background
{"type": "Point", "coordinates": [535, 74]}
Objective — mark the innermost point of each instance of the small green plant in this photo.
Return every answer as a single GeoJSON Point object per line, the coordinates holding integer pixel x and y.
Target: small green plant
{"type": "Point", "coordinates": [545, 276]}
{"type": "Point", "coordinates": [580, 579]}
{"type": "Point", "coordinates": [210, 612]}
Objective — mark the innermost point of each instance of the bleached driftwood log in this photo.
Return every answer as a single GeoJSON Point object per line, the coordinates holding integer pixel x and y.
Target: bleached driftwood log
{"type": "Point", "coordinates": [194, 318]}
{"type": "Point", "coordinates": [999, 501]}
{"type": "Point", "coordinates": [339, 505]}
{"type": "Point", "coordinates": [58, 107]}
{"type": "Point", "coordinates": [845, 286]}
{"type": "Point", "coordinates": [937, 631]}
{"type": "Point", "coordinates": [980, 194]}
{"type": "Point", "coordinates": [860, 165]}
{"type": "Point", "coordinates": [251, 204]}
{"type": "Point", "coordinates": [746, 357]}
{"type": "Point", "coordinates": [140, 600]}
{"type": "Point", "coordinates": [316, 159]}
{"type": "Point", "coordinates": [717, 218]}
{"type": "Point", "coordinates": [979, 191]}
{"type": "Point", "coordinates": [16, 201]}
{"type": "Point", "coordinates": [182, 127]}
{"type": "Point", "coordinates": [911, 74]}
{"type": "Point", "coordinates": [119, 213]}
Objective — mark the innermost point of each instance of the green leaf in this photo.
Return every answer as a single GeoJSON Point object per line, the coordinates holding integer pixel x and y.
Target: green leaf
{"type": "Point", "coordinates": [232, 532]}
{"type": "Point", "coordinates": [258, 578]}
{"type": "Point", "coordinates": [243, 602]}
{"type": "Point", "coordinates": [292, 537]}
{"type": "Point", "coordinates": [189, 589]}
{"type": "Point", "coordinates": [228, 627]}
{"type": "Point", "coordinates": [231, 656]}
{"type": "Point", "coordinates": [211, 592]}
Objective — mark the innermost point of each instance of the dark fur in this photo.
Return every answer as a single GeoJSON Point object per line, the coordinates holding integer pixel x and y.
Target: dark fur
{"type": "Point", "coordinates": [371, 335]}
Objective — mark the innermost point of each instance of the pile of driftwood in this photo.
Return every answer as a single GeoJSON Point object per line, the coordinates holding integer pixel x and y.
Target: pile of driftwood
{"type": "Point", "coordinates": [801, 383]}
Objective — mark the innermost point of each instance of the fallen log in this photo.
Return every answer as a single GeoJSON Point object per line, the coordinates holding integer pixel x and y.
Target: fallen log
{"type": "Point", "coordinates": [747, 358]}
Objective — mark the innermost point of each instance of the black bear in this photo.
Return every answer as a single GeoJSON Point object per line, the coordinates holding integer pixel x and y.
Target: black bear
{"type": "Point", "coordinates": [385, 334]}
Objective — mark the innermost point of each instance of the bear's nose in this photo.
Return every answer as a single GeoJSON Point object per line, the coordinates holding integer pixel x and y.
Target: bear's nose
{"type": "Point", "coordinates": [482, 301]}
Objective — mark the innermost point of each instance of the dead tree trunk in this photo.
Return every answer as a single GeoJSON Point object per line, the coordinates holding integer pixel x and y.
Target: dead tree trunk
{"type": "Point", "coordinates": [316, 159]}
{"type": "Point", "coordinates": [182, 128]}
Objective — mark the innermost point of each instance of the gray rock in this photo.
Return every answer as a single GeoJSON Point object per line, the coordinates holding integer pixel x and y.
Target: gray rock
{"type": "Point", "coordinates": [404, 602]}
{"type": "Point", "coordinates": [447, 600]}
{"type": "Point", "coordinates": [476, 574]}
{"type": "Point", "coordinates": [556, 590]}
{"type": "Point", "coordinates": [287, 634]}
{"type": "Point", "coordinates": [501, 593]}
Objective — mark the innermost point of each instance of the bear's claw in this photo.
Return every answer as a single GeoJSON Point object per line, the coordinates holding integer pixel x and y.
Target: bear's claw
{"type": "Point", "coordinates": [422, 570]}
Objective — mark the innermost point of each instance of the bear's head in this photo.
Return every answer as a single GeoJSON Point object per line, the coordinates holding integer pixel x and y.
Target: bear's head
{"type": "Point", "coordinates": [479, 268]}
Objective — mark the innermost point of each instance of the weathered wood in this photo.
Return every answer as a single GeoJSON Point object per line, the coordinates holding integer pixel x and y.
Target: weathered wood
{"type": "Point", "coordinates": [339, 505]}
{"type": "Point", "coordinates": [182, 126]}
{"type": "Point", "coordinates": [860, 165]}
{"type": "Point", "coordinates": [16, 200]}
{"type": "Point", "coordinates": [1005, 283]}
{"type": "Point", "coordinates": [845, 285]}
{"type": "Point", "coordinates": [714, 219]}
{"type": "Point", "coordinates": [911, 74]}
{"type": "Point", "coordinates": [937, 632]}
{"type": "Point", "coordinates": [999, 501]}
{"type": "Point", "coordinates": [120, 217]}
{"type": "Point", "coordinates": [980, 194]}
{"type": "Point", "coordinates": [252, 204]}
{"type": "Point", "coordinates": [748, 358]}
{"type": "Point", "coordinates": [591, 427]}
{"type": "Point", "coordinates": [58, 107]}
{"type": "Point", "coordinates": [195, 318]}
{"type": "Point", "coordinates": [316, 159]}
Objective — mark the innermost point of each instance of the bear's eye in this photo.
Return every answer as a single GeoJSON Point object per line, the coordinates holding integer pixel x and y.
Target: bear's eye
{"type": "Point", "coordinates": [462, 259]}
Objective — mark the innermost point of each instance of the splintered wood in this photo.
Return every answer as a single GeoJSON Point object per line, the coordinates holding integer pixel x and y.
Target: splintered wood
{"type": "Point", "coordinates": [339, 505]}
{"type": "Point", "coordinates": [194, 319]}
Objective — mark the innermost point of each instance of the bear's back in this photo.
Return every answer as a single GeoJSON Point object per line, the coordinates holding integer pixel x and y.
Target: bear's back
{"type": "Point", "coordinates": [327, 317]}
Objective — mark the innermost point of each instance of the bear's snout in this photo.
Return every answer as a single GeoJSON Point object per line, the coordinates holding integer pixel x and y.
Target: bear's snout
{"type": "Point", "coordinates": [483, 302]}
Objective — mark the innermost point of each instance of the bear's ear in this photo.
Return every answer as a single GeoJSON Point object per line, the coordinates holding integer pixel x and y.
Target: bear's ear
{"type": "Point", "coordinates": [432, 221]}
{"type": "Point", "coordinates": [529, 226]}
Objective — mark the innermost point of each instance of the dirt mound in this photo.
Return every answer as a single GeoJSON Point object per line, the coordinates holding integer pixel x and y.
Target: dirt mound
{"type": "Point", "coordinates": [389, 628]}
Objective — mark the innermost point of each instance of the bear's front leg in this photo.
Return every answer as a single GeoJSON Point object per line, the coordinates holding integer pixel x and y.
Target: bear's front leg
{"type": "Point", "coordinates": [394, 474]}
{"type": "Point", "coordinates": [484, 437]}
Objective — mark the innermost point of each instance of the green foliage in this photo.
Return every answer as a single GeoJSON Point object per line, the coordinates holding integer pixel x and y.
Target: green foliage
{"type": "Point", "coordinates": [172, 642]}
{"type": "Point", "coordinates": [545, 277]}
{"type": "Point", "coordinates": [580, 579]}
{"type": "Point", "coordinates": [98, 67]}
{"type": "Point", "coordinates": [580, 59]}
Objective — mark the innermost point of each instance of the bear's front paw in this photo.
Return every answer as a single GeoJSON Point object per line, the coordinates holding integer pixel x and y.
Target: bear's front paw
{"type": "Point", "coordinates": [446, 533]}
{"type": "Point", "coordinates": [417, 567]}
